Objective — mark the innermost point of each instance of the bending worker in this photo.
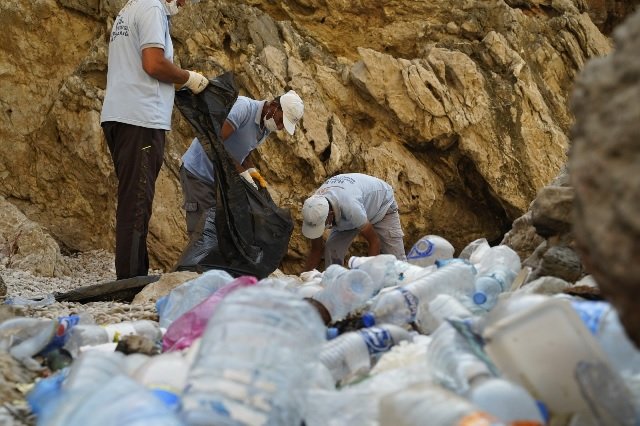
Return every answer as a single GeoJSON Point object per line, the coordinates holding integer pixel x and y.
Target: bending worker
{"type": "Point", "coordinates": [246, 127]}
{"type": "Point", "coordinates": [352, 204]}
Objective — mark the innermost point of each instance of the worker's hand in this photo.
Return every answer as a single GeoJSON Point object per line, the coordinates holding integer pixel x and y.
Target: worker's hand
{"type": "Point", "coordinates": [196, 83]}
{"type": "Point", "coordinates": [247, 176]}
{"type": "Point", "coordinates": [257, 176]}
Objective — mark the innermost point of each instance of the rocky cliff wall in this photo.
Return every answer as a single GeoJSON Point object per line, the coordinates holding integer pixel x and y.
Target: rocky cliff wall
{"type": "Point", "coordinates": [461, 106]}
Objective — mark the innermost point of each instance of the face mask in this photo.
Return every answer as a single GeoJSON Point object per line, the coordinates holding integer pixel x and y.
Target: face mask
{"type": "Point", "coordinates": [270, 125]}
{"type": "Point", "coordinates": [171, 8]}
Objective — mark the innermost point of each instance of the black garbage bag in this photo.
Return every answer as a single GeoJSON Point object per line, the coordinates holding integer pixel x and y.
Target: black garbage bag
{"type": "Point", "coordinates": [246, 233]}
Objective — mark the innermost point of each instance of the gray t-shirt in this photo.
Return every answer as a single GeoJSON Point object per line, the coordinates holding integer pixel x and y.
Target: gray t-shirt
{"type": "Point", "coordinates": [133, 96]}
{"type": "Point", "coordinates": [357, 199]}
{"type": "Point", "coordinates": [247, 136]}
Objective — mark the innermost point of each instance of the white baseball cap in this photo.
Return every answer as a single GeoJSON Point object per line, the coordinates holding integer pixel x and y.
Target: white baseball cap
{"type": "Point", "coordinates": [314, 216]}
{"type": "Point", "coordinates": [292, 110]}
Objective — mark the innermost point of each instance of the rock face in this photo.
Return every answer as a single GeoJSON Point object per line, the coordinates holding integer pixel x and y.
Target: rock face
{"type": "Point", "coordinates": [608, 14]}
{"type": "Point", "coordinates": [604, 167]}
{"type": "Point", "coordinates": [460, 105]}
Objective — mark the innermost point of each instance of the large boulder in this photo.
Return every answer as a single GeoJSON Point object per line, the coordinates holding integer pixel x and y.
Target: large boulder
{"type": "Point", "coordinates": [605, 169]}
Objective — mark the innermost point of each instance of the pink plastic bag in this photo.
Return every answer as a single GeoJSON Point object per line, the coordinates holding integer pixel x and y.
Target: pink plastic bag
{"type": "Point", "coordinates": [188, 327]}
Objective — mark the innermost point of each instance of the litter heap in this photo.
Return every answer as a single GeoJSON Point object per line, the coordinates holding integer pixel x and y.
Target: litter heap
{"type": "Point", "coordinates": [436, 341]}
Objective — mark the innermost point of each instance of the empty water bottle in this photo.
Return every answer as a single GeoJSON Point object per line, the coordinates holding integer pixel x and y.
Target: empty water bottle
{"type": "Point", "coordinates": [116, 400]}
{"type": "Point", "coordinates": [251, 366]}
{"type": "Point", "coordinates": [602, 320]}
{"type": "Point", "coordinates": [456, 365]}
{"type": "Point", "coordinates": [189, 294]}
{"type": "Point", "coordinates": [475, 250]}
{"type": "Point", "coordinates": [403, 305]}
{"type": "Point", "coordinates": [344, 291]}
{"type": "Point", "coordinates": [354, 352]}
{"type": "Point", "coordinates": [165, 375]}
{"type": "Point", "coordinates": [430, 404]}
{"type": "Point", "coordinates": [386, 271]}
{"type": "Point", "coordinates": [438, 310]}
{"type": "Point", "coordinates": [490, 285]}
{"type": "Point", "coordinates": [498, 258]}
{"type": "Point", "coordinates": [84, 335]}
{"type": "Point", "coordinates": [25, 337]}
{"type": "Point", "coordinates": [190, 325]}
{"type": "Point", "coordinates": [428, 249]}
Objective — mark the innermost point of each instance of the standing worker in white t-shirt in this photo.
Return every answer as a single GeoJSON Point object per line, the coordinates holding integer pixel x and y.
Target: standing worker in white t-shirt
{"type": "Point", "coordinates": [136, 113]}
{"type": "Point", "coordinates": [246, 127]}
{"type": "Point", "coordinates": [352, 204]}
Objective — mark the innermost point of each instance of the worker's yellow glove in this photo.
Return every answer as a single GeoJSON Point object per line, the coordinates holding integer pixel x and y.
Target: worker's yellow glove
{"type": "Point", "coordinates": [255, 174]}
{"type": "Point", "coordinates": [248, 178]}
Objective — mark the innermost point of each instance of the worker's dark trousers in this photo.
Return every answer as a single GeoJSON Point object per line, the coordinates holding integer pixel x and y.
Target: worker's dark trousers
{"type": "Point", "coordinates": [137, 157]}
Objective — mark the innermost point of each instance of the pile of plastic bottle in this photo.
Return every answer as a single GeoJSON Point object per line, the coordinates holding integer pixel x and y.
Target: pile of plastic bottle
{"type": "Point", "coordinates": [435, 340]}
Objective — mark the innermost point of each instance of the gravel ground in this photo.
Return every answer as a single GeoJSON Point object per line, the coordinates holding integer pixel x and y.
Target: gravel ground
{"type": "Point", "coordinates": [86, 269]}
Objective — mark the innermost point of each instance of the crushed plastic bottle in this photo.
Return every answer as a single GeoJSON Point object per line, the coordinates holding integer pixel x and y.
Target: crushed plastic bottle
{"type": "Point", "coordinates": [26, 337]}
{"type": "Point", "coordinates": [387, 271]}
{"type": "Point", "coordinates": [344, 291]}
{"type": "Point", "coordinates": [118, 400]}
{"type": "Point", "coordinates": [251, 366]}
{"type": "Point", "coordinates": [190, 325]}
{"type": "Point", "coordinates": [403, 305]}
{"type": "Point", "coordinates": [189, 294]}
{"type": "Point", "coordinates": [444, 306]}
{"type": "Point", "coordinates": [355, 352]}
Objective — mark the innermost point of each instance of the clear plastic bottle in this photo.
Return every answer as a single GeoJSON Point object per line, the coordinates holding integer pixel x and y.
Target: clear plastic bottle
{"type": "Point", "coordinates": [455, 365]}
{"type": "Point", "coordinates": [386, 271]}
{"type": "Point", "coordinates": [352, 353]}
{"type": "Point", "coordinates": [166, 376]}
{"type": "Point", "coordinates": [251, 365]}
{"type": "Point", "coordinates": [501, 257]}
{"type": "Point", "coordinates": [91, 334]}
{"type": "Point", "coordinates": [603, 322]}
{"type": "Point", "coordinates": [190, 325]}
{"type": "Point", "coordinates": [439, 309]}
{"type": "Point", "coordinates": [189, 294]}
{"type": "Point", "coordinates": [401, 305]}
{"type": "Point", "coordinates": [489, 287]}
{"type": "Point", "coordinates": [117, 400]}
{"type": "Point", "coordinates": [428, 249]}
{"type": "Point", "coordinates": [430, 404]}
{"type": "Point", "coordinates": [344, 291]}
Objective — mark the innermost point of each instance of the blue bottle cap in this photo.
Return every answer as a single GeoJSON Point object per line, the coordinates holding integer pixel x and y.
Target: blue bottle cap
{"type": "Point", "coordinates": [170, 399]}
{"type": "Point", "coordinates": [479, 298]}
{"type": "Point", "coordinates": [332, 333]}
{"type": "Point", "coordinates": [369, 319]}
{"type": "Point", "coordinates": [544, 411]}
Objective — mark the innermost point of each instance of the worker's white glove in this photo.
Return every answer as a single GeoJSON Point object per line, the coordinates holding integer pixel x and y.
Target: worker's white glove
{"type": "Point", "coordinates": [196, 83]}
{"type": "Point", "coordinates": [247, 176]}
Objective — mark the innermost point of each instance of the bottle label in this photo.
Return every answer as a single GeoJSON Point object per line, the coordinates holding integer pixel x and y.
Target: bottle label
{"type": "Point", "coordinates": [423, 248]}
{"type": "Point", "coordinates": [591, 313]}
{"type": "Point", "coordinates": [378, 339]}
{"type": "Point", "coordinates": [411, 301]}
{"type": "Point", "coordinates": [65, 324]}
